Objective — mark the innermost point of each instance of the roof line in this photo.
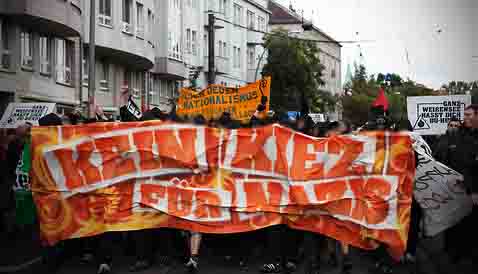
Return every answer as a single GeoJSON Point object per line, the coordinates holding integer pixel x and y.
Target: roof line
{"type": "Point", "coordinates": [299, 18]}
{"type": "Point", "coordinates": [259, 6]}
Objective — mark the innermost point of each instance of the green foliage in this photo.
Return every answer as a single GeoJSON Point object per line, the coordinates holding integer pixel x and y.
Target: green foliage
{"type": "Point", "coordinates": [364, 90]}
{"type": "Point", "coordinates": [296, 73]}
{"type": "Point", "coordinates": [461, 87]}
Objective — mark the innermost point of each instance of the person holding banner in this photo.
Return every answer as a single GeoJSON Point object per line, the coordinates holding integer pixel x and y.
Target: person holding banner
{"type": "Point", "coordinates": [459, 150]}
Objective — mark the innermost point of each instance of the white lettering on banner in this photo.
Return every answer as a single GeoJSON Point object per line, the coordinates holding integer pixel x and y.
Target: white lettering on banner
{"type": "Point", "coordinates": [430, 115]}
{"type": "Point", "coordinates": [83, 156]}
{"type": "Point", "coordinates": [180, 199]}
{"type": "Point", "coordinates": [439, 190]}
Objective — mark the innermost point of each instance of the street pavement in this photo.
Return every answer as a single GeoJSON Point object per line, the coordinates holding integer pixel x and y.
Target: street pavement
{"type": "Point", "coordinates": [431, 260]}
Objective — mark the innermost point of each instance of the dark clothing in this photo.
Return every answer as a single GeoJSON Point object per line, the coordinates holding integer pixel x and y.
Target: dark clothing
{"type": "Point", "coordinates": [283, 243]}
{"type": "Point", "coordinates": [312, 245]}
{"type": "Point", "coordinates": [460, 152]}
{"type": "Point", "coordinates": [416, 215]}
{"type": "Point", "coordinates": [14, 152]}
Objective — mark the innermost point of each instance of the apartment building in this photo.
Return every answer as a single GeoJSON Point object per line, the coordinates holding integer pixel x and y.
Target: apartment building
{"type": "Point", "coordinates": [39, 52]}
{"type": "Point", "coordinates": [182, 44]}
{"type": "Point", "coordinates": [144, 48]}
{"type": "Point", "coordinates": [330, 50]}
{"type": "Point", "coordinates": [125, 51]}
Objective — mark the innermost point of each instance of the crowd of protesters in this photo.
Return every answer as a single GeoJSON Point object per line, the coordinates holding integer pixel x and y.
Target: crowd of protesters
{"type": "Point", "coordinates": [283, 248]}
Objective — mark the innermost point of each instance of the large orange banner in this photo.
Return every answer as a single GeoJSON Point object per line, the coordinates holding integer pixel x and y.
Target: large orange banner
{"type": "Point", "coordinates": [211, 102]}
{"type": "Point", "coordinates": [95, 178]}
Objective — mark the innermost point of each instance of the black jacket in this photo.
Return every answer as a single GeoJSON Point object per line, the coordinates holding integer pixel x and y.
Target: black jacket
{"type": "Point", "coordinates": [460, 152]}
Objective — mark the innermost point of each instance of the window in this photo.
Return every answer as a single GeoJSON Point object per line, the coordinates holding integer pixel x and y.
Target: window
{"type": "Point", "coordinates": [237, 14]}
{"type": "Point", "coordinates": [5, 54]}
{"type": "Point", "coordinates": [45, 57]}
{"type": "Point", "coordinates": [210, 5]}
{"type": "Point", "coordinates": [250, 20]}
{"type": "Point", "coordinates": [155, 89]}
{"type": "Point", "coordinates": [175, 30]}
{"type": "Point", "coordinates": [234, 57]}
{"type": "Point", "coordinates": [192, 4]}
{"type": "Point", "coordinates": [251, 54]}
{"type": "Point", "coordinates": [188, 40]}
{"type": "Point", "coordinates": [224, 49]}
{"type": "Point", "coordinates": [194, 42]}
{"type": "Point", "coordinates": [127, 81]}
{"type": "Point", "coordinates": [86, 68]}
{"type": "Point", "coordinates": [170, 89]}
{"type": "Point", "coordinates": [27, 49]}
{"type": "Point", "coordinates": [223, 6]}
{"type": "Point", "coordinates": [239, 57]}
{"type": "Point", "coordinates": [105, 12]}
{"type": "Point", "coordinates": [127, 11]}
{"type": "Point", "coordinates": [219, 47]}
{"type": "Point", "coordinates": [206, 45]}
{"type": "Point", "coordinates": [139, 20]}
{"type": "Point", "coordinates": [138, 85]}
{"type": "Point", "coordinates": [104, 75]}
{"type": "Point", "coordinates": [150, 25]}
{"type": "Point", "coordinates": [163, 89]}
{"type": "Point", "coordinates": [261, 23]}
{"type": "Point", "coordinates": [174, 46]}
{"type": "Point", "coordinates": [64, 61]}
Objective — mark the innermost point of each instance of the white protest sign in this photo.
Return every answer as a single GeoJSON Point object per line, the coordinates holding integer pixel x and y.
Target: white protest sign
{"type": "Point", "coordinates": [429, 115]}
{"type": "Point", "coordinates": [439, 190]}
{"type": "Point", "coordinates": [17, 114]}
{"type": "Point", "coordinates": [317, 117]}
{"type": "Point", "coordinates": [133, 108]}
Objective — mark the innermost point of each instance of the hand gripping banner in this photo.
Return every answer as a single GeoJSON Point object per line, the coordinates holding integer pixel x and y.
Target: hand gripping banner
{"type": "Point", "coordinates": [102, 177]}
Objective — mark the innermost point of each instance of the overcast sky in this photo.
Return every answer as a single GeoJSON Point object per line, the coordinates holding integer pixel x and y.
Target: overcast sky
{"type": "Point", "coordinates": [403, 25]}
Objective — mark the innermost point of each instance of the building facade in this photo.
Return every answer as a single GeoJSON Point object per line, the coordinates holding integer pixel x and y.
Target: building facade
{"type": "Point", "coordinates": [183, 44]}
{"type": "Point", "coordinates": [330, 50]}
{"type": "Point", "coordinates": [146, 49]}
{"type": "Point", "coordinates": [39, 52]}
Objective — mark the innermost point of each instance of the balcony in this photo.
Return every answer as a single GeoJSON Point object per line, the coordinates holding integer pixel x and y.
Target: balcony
{"type": "Point", "coordinates": [62, 18]}
{"type": "Point", "coordinates": [170, 69]}
{"type": "Point", "coordinates": [221, 63]}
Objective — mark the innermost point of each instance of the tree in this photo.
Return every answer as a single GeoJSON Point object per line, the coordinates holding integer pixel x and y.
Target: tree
{"type": "Point", "coordinates": [459, 87]}
{"type": "Point", "coordinates": [365, 89]}
{"type": "Point", "coordinates": [296, 73]}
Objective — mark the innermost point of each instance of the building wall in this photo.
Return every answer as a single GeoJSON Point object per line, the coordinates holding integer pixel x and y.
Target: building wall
{"type": "Point", "coordinates": [175, 26]}
{"type": "Point", "coordinates": [22, 83]}
{"type": "Point", "coordinates": [237, 36]}
{"type": "Point", "coordinates": [124, 46]}
{"type": "Point", "coordinates": [330, 55]}
{"type": "Point", "coordinates": [63, 16]}
{"type": "Point", "coordinates": [151, 57]}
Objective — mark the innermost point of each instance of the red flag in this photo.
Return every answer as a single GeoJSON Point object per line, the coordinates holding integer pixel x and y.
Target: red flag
{"type": "Point", "coordinates": [381, 100]}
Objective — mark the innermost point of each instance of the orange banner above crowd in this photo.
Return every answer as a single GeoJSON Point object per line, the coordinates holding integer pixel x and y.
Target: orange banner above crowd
{"type": "Point", "coordinates": [95, 178]}
{"type": "Point", "coordinates": [211, 102]}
